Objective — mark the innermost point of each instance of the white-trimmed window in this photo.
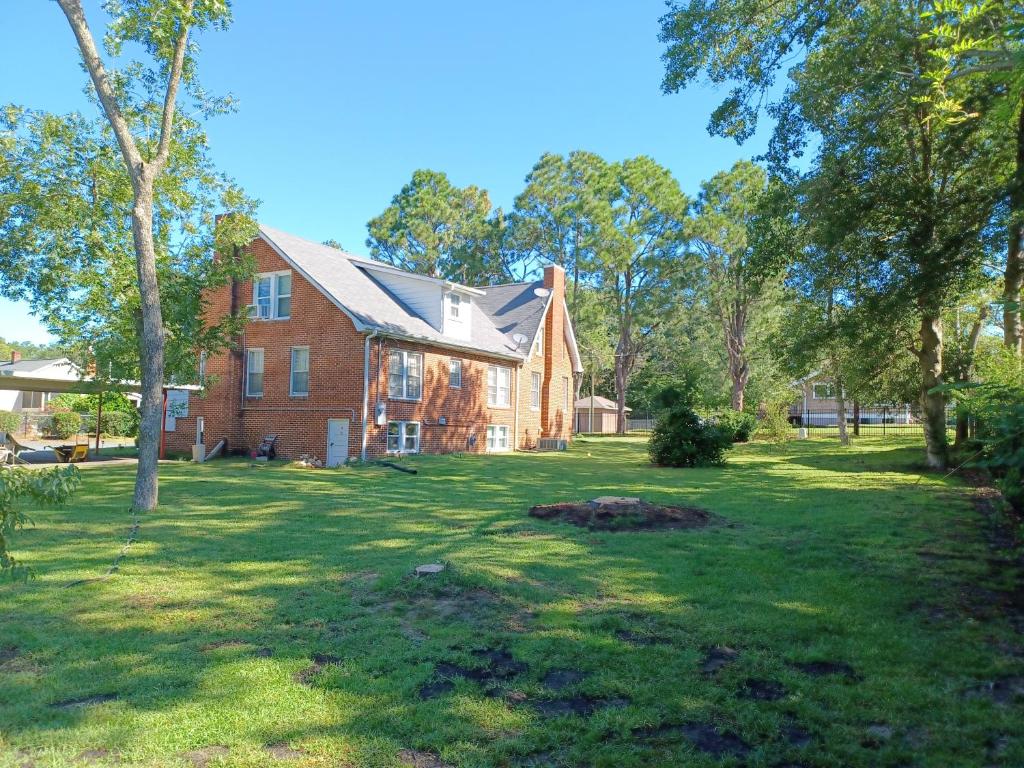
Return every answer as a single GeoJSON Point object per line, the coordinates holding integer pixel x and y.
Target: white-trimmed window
{"type": "Point", "coordinates": [403, 437]}
{"type": "Point", "coordinates": [499, 386]}
{"type": "Point", "coordinates": [823, 391]}
{"type": "Point", "coordinates": [405, 375]}
{"type": "Point", "coordinates": [454, 306]}
{"type": "Point", "coordinates": [254, 373]}
{"type": "Point", "coordinates": [538, 347]}
{"type": "Point", "coordinates": [535, 390]}
{"type": "Point", "coordinates": [497, 438]}
{"type": "Point", "coordinates": [565, 394]}
{"type": "Point", "coordinates": [33, 400]}
{"type": "Point", "coordinates": [272, 296]}
{"type": "Point", "coordinates": [455, 373]}
{"type": "Point", "coordinates": [299, 382]}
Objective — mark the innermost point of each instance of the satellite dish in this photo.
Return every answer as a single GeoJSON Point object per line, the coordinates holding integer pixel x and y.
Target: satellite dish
{"type": "Point", "coordinates": [520, 339]}
{"type": "Point", "coordinates": [541, 292]}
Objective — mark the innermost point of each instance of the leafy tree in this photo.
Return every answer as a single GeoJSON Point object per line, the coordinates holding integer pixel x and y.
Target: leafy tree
{"type": "Point", "coordinates": [28, 350]}
{"type": "Point", "coordinates": [682, 439]}
{"type": "Point", "coordinates": [982, 42]}
{"type": "Point", "coordinates": [903, 194]}
{"type": "Point", "coordinates": [71, 186]}
{"type": "Point", "coordinates": [435, 228]}
{"type": "Point", "coordinates": [638, 259]}
{"type": "Point", "coordinates": [52, 487]}
{"type": "Point", "coordinates": [734, 290]}
{"type": "Point", "coordinates": [553, 221]}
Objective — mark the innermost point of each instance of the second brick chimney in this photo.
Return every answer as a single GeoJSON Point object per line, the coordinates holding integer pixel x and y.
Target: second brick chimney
{"type": "Point", "coordinates": [15, 355]}
{"type": "Point", "coordinates": [554, 281]}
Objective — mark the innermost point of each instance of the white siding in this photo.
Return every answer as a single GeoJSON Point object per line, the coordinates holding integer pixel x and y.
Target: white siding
{"type": "Point", "coordinates": [421, 296]}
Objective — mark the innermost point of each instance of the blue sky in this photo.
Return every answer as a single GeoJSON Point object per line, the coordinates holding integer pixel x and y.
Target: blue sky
{"type": "Point", "coordinates": [339, 102]}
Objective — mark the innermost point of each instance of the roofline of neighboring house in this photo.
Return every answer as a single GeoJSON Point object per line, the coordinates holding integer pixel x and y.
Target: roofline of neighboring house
{"type": "Point", "coordinates": [808, 377]}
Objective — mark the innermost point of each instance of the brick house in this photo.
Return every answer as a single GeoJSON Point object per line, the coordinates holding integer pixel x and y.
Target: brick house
{"type": "Point", "coordinates": [343, 357]}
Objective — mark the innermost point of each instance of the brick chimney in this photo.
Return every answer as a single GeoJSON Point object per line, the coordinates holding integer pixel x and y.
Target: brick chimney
{"type": "Point", "coordinates": [554, 281]}
{"type": "Point", "coordinates": [15, 355]}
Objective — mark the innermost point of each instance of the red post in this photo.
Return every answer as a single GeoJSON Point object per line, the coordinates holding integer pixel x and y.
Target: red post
{"type": "Point", "coordinates": [163, 427]}
{"type": "Point", "coordinates": [99, 420]}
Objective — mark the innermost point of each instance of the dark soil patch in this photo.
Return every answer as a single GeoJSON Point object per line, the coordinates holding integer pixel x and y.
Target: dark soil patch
{"type": "Point", "coordinates": [264, 653]}
{"type": "Point", "coordinates": [631, 516]}
{"type": "Point", "coordinates": [762, 690]}
{"type": "Point", "coordinates": [639, 638]}
{"type": "Point", "coordinates": [703, 736]}
{"type": "Point", "coordinates": [200, 758]}
{"type": "Point", "coordinates": [557, 679]}
{"type": "Point", "coordinates": [796, 736]}
{"type": "Point", "coordinates": [497, 666]}
{"type": "Point", "coordinates": [94, 755]}
{"type": "Point", "coordinates": [717, 657]}
{"type": "Point", "coordinates": [8, 652]}
{"type": "Point", "coordinates": [1002, 690]}
{"type": "Point", "coordinates": [825, 668]}
{"type": "Point", "coordinates": [437, 688]}
{"type": "Point", "coordinates": [283, 752]}
{"type": "Point", "coordinates": [582, 706]}
{"type": "Point", "coordinates": [85, 701]}
{"type": "Point", "coordinates": [320, 660]}
{"type": "Point", "coordinates": [215, 646]}
{"type": "Point", "coordinates": [416, 759]}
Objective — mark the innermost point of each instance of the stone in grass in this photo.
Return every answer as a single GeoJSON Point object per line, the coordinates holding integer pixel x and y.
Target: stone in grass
{"type": "Point", "coordinates": [430, 569]}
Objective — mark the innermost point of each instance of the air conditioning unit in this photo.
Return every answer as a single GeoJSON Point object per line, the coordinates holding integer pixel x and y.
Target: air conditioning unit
{"type": "Point", "coordinates": [552, 444]}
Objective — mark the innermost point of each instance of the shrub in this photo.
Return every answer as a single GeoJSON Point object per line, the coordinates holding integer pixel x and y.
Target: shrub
{"type": "Point", "coordinates": [116, 423]}
{"type": "Point", "coordinates": [9, 422]}
{"type": "Point", "coordinates": [66, 424]}
{"type": "Point", "coordinates": [774, 425]}
{"type": "Point", "coordinates": [681, 439]}
{"type": "Point", "coordinates": [739, 425]}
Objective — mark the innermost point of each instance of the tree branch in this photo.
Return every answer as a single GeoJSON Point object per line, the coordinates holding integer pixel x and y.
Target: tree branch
{"type": "Point", "coordinates": [98, 73]}
{"type": "Point", "coordinates": [173, 79]}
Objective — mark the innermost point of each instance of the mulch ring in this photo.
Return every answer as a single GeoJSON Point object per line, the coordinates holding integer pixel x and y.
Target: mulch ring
{"type": "Point", "coordinates": [623, 514]}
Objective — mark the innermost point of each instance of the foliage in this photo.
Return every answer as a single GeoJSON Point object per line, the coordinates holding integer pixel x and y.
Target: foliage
{"type": "Point", "coordinates": [9, 422]}
{"type": "Point", "coordinates": [739, 425]}
{"type": "Point", "coordinates": [65, 424]}
{"type": "Point", "coordinates": [51, 487]}
{"type": "Point", "coordinates": [773, 425]}
{"type": "Point", "coordinates": [682, 439]}
{"type": "Point", "coordinates": [435, 228]}
{"type": "Point", "coordinates": [119, 423]}
{"type": "Point", "coordinates": [114, 401]}
{"type": "Point", "coordinates": [28, 350]}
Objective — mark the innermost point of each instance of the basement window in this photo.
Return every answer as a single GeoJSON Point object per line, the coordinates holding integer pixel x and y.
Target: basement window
{"type": "Point", "coordinates": [403, 437]}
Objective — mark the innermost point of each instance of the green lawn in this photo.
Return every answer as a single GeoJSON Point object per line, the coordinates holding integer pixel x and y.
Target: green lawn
{"type": "Point", "coordinates": [273, 606]}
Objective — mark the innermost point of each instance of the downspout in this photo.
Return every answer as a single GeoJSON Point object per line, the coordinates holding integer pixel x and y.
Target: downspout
{"type": "Point", "coordinates": [366, 389]}
{"type": "Point", "coordinates": [515, 416]}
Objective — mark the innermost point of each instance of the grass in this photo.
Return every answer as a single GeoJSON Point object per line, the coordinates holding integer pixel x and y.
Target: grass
{"type": "Point", "coordinates": [207, 634]}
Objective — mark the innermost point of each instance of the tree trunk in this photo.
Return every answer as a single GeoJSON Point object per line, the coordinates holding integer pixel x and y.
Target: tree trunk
{"type": "Point", "coordinates": [736, 347]}
{"type": "Point", "coordinates": [967, 374]}
{"type": "Point", "coordinates": [933, 405]}
{"type": "Point", "coordinates": [1013, 276]}
{"type": "Point", "coordinates": [856, 418]}
{"type": "Point", "coordinates": [151, 350]}
{"type": "Point", "coordinates": [844, 435]}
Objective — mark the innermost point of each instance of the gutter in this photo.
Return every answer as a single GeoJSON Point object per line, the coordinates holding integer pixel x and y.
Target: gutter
{"type": "Point", "coordinates": [366, 390]}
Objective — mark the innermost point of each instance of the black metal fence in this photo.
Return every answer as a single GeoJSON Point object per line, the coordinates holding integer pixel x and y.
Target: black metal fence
{"type": "Point", "coordinates": [874, 421]}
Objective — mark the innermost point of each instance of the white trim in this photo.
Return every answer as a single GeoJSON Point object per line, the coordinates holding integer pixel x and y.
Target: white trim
{"type": "Point", "coordinates": [274, 296]}
{"type": "Point", "coordinates": [497, 386]}
{"type": "Point", "coordinates": [406, 353]}
{"type": "Point", "coordinates": [401, 436]}
{"type": "Point", "coordinates": [496, 448]}
{"type": "Point", "coordinates": [574, 350]}
{"type": "Point", "coordinates": [248, 366]}
{"type": "Point", "coordinates": [540, 328]}
{"type": "Point", "coordinates": [450, 361]}
{"type": "Point", "coordinates": [540, 386]}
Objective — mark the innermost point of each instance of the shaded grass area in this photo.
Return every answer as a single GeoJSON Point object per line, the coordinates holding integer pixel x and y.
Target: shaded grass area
{"type": "Point", "coordinates": [266, 616]}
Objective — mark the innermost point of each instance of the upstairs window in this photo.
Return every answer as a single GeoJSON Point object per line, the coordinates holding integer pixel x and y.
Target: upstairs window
{"type": "Point", "coordinates": [455, 373]}
{"type": "Point", "coordinates": [454, 305]}
{"type": "Point", "coordinates": [405, 375]}
{"type": "Point", "coordinates": [254, 373]}
{"type": "Point", "coordinates": [535, 391]}
{"type": "Point", "coordinates": [499, 386]}
{"type": "Point", "coordinates": [299, 385]}
{"type": "Point", "coordinates": [824, 391]}
{"type": "Point", "coordinates": [272, 296]}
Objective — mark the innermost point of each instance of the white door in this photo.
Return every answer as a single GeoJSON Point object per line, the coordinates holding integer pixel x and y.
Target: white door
{"type": "Point", "coordinates": [337, 442]}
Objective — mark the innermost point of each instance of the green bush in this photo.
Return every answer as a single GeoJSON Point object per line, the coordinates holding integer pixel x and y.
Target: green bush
{"type": "Point", "coordinates": [117, 423]}
{"type": "Point", "coordinates": [681, 439]}
{"type": "Point", "coordinates": [738, 424]}
{"type": "Point", "coordinates": [66, 424]}
{"type": "Point", "coordinates": [9, 422]}
{"type": "Point", "coordinates": [774, 425]}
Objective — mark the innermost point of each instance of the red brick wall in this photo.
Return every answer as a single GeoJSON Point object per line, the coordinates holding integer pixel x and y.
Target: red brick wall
{"type": "Point", "coordinates": [336, 383]}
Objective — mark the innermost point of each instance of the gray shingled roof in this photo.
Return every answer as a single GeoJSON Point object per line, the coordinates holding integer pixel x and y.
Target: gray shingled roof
{"type": "Point", "coordinates": [29, 366]}
{"type": "Point", "coordinates": [504, 312]}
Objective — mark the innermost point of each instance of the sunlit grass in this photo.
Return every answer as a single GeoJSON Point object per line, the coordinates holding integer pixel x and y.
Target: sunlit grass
{"type": "Point", "coordinates": [244, 573]}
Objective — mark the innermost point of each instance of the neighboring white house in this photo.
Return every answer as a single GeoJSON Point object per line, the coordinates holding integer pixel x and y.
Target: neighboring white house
{"type": "Point", "coordinates": [19, 401]}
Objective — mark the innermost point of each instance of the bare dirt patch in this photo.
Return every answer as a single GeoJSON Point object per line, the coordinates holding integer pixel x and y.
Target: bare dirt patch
{"type": "Point", "coordinates": [582, 706]}
{"type": "Point", "coordinates": [320, 661]}
{"type": "Point", "coordinates": [762, 690]}
{"type": "Point", "coordinates": [825, 669]}
{"type": "Point", "coordinates": [416, 759]}
{"type": "Point", "coordinates": [558, 679]}
{"type": "Point", "coordinates": [85, 701]}
{"type": "Point", "coordinates": [703, 736]}
{"type": "Point", "coordinates": [623, 514]}
{"type": "Point", "coordinates": [200, 758]}
{"type": "Point", "coordinates": [718, 656]}
{"type": "Point", "coordinates": [96, 755]}
{"type": "Point", "coordinates": [641, 638]}
{"type": "Point", "coordinates": [283, 752]}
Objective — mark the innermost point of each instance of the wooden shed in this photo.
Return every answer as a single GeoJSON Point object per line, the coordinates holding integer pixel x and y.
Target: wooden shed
{"type": "Point", "coordinates": [605, 415]}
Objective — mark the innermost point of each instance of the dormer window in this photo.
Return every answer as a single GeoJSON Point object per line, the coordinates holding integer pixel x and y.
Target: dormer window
{"type": "Point", "coordinates": [271, 296]}
{"type": "Point", "coordinates": [454, 305]}
{"type": "Point", "coordinates": [538, 348]}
